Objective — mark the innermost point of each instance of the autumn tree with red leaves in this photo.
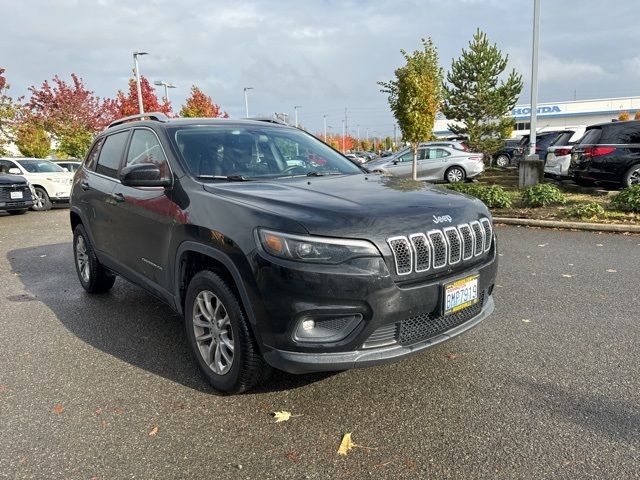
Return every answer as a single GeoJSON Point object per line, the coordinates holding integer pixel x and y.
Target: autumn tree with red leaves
{"type": "Point", "coordinates": [341, 143]}
{"type": "Point", "coordinates": [128, 104]}
{"type": "Point", "coordinates": [7, 112]}
{"type": "Point", "coordinates": [201, 105]}
{"type": "Point", "coordinates": [69, 112]}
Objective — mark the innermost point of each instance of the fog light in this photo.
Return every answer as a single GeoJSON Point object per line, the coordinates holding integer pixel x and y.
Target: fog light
{"type": "Point", "coordinates": [326, 328]}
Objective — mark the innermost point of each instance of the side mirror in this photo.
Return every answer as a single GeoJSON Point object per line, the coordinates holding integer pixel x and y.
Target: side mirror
{"type": "Point", "coordinates": [143, 175]}
{"type": "Point", "coordinates": [15, 171]}
{"type": "Point", "coordinates": [395, 162]}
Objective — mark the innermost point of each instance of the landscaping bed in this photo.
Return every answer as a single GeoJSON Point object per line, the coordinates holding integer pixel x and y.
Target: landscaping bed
{"type": "Point", "coordinates": [552, 200]}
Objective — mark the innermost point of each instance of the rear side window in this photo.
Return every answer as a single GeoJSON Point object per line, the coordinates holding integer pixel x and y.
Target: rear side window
{"type": "Point", "coordinates": [111, 154]}
{"type": "Point", "coordinates": [563, 139]}
{"type": "Point", "coordinates": [623, 132]}
{"type": "Point", "coordinates": [90, 162]}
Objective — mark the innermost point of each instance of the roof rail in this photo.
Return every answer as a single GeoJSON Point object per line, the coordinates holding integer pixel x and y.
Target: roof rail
{"type": "Point", "coordinates": [268, 120]}
{"type": "Point", "coordinates": [157, 116]}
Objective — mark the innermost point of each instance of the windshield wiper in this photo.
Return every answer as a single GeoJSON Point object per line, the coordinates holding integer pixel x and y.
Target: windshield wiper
{"type": "Point", "coordinates": [322, 174]}
{"type": "Point", "coordinates": [230, 178]}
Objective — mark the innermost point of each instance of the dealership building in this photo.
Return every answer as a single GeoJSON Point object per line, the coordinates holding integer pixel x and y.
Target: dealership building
{"type": "Point", "coordinates": [559, 115]}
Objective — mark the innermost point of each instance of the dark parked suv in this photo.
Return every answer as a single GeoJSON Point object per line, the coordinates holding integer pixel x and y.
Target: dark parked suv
{"type": "Point", "coordinates": [608, 152]}
{"type": "Point", "coordinates": [315, 266]}
{"type": "Point", "coordinates": [15, 193]}
{"type": "Point", "coordinates": [543, 142]}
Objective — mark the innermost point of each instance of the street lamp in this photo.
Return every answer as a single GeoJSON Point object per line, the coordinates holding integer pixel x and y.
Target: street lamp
{"type": "Point", "coordinates": [295, 109]}
{"type": "Point", "coordinates": [246, 101]}
{"type": "Point", "coordinates": [135, 66]}
{"type": "Point", "coordinates": [166, 86]}
{"type": "Point", "coordinates": [324, 121]}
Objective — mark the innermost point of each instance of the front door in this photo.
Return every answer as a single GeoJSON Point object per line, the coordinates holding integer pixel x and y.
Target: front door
{"type": "Point", "coordinates": [146, 215]}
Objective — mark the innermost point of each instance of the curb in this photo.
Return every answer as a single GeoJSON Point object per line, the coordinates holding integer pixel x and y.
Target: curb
{"type": "Point", "coordinates": [594, 227]}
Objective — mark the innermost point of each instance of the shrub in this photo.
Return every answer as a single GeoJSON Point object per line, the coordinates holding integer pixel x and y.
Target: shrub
{"type": "Point", "coordinates": [628, 200]}
{"type": "Point", "coordinates": [542, 194]}
{"type": "Point", "coordinates": [493, 196]}
{"type": "Point", "coordinates": [585, 211]}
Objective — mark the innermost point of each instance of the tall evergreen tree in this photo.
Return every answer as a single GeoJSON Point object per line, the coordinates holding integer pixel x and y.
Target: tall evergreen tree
{"type": "Point", "coordinates": [476, 98]}
{"type": "Point", "coordinates": [415, 96]}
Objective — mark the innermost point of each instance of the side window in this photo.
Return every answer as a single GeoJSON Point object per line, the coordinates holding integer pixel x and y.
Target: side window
{"type": "Point", "coordinates": [422, 154]}
{"type": "Point", "coordinates": [634, 135]}
{"type": "Point", "coordinates": [441, 153]}
{"type": "Point", "coordinates": [111, 154]}
{"type": "Point", "coordinates": [5, 165]}
{"type": "Point", "coordinates": [90, 162]}
{"type": "Point", "coordinates": [145, 148]}
{"type": "Point", "coordinates": [407, 157]}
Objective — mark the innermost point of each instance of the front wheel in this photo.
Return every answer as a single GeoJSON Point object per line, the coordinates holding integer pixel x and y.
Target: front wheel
{"type": "Point", "coordinates": [502, 161]}
{"type": "Point", "coordinates": [93, 277]}
{"type": "Point", "coordinates": [632, 177]}
{"type": "Point", "coordinates": [219, 335]}
{"type": "Point", "coordinates": [42, 201]}
{"type": "Point", "coordinates": [455, 175]}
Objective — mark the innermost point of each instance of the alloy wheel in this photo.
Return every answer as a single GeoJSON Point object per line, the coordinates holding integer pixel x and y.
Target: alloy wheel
{"type": "Point", "coordinates": [502, 161]}
{"type": "Point", "coordinates": [455, 175]}
{"type": "Point", "coordinates": [82, 258]}
{"type": "Point", "coordinates": [39, 200]}
{"type": "Point", "coordinates": [634, 178]}
{"type": "Point", "coordinates": [213, 332]}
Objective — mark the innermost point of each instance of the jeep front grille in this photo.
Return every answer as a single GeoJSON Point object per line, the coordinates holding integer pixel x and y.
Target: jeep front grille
{"type": "Point", "coordinates": [419, 252]}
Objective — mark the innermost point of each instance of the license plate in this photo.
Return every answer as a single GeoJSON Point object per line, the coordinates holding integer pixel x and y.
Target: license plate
{"type": "Point", "coordinates": [16, 195]}
{"type": "Point", "coordinates": [460, 294]}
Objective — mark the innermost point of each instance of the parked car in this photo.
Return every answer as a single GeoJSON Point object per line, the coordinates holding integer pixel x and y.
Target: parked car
{"type": "Point", "coordinates": [455, 144]}
{"type": "Point", "coordinates": [307, 268]}
{"type": "Point", "coordinates": [51, 182]}
{"type": "Point", "coordinates": [504, 156]}
{"type": "Point", "coordinates": [434, 164]}
{"type": "Point", "coordinates": [16, 195]}
{"type": "Point", "coordinates": [559, 155]}
{"type": "Point", "coordinates": [356, 158]}
{"type": "Point", "coordinates": [543, 140]}
{"type": "Point", "coordinates": [608, 152]}
{"type": "Point", "coordinates": [69, 165]}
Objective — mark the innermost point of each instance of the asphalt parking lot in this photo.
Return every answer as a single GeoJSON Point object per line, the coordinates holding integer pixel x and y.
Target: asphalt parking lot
{"type": "Point", "coordinates": [104, 387]}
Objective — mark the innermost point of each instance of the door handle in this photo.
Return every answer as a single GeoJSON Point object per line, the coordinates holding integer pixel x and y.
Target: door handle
{"type": "Point", "coordinates": [118, 197]}
{"type": "Point", "coordinates": [84, 186]}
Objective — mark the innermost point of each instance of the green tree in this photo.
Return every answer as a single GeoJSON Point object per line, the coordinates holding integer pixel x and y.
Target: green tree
{"type": "Point", "coordinates": [477, 99]}
{"type": "Point", "coordinates": [7, 113]}
{"type": "Point", "coordinates": [415, 95]}
{"type": "Point", "coordinates": [32, 139]}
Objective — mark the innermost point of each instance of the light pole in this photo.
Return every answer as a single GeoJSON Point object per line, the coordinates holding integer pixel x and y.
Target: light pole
{"type": "Point", "coordinates": [344, 124]}
{"type": "Point", "coordinates": [295, 109]}
{"type": "Point", "coordinates": [139, 88]}
{"type": "Point", "coordinates": [166, 86]}
{"type": "Point", "coordinates": [246, 101]}
{"type": "Point", "coordinates": [324, 121]}
{"type": "Point", "coordinates": [358, 127]}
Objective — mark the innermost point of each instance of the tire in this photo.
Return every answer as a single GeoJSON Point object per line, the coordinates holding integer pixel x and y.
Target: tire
{"type": "Point", "coordinates": [632, 177]}
{"type": "Point", "coordinates": [502, 161]}
{"type": "Point", "coordinates": [455, 175]}
{"type": "Point", "coordinates": [42, 202]}
{"type": "Point", "coordinates": [93, 277]}
{"type": "Point", "coordinates": [17, 212]}
{"type": "Point", "coordinates": [228, 357]}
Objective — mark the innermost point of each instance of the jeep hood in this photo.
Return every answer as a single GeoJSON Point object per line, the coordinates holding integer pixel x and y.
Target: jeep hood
{"type": "Point", "coordinates": [356, 206]}
{"type": "Point", "coordinates": [12, 180]}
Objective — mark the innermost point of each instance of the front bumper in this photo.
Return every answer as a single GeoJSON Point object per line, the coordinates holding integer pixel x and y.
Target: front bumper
{"type": "Point", "coordinates": [291, 292]}
{"type": "Point", "coordinates": [15, 205]}
{"type": "Point", "coordinates": [304, 362]}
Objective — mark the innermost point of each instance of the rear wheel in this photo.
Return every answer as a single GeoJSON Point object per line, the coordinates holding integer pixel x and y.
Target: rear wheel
{"type": "Point", "coordinates": [92, 275]}
{"type": "Point", "coordinates": [455, 175]}
{"type": "Point", "coordinates": [42, 201]}
{"type": "Point", "coordinates": [219, 336]}
{"type": "Point", "coordinates": [502, 161]}
{"type": "Point", "coordinates": [17, 212]}
{"type": "Point", "coordinates": [632, 177]}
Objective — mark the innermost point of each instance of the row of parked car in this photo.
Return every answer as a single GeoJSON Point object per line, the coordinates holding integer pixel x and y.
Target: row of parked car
{"type": "Point", "coordinates": [605, 152]}
{"type": "Point", "coordinates": [34, 183]}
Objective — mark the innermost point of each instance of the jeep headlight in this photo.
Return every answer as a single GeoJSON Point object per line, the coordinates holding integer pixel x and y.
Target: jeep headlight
{"type": "Point", "coordinates": [313, 249]}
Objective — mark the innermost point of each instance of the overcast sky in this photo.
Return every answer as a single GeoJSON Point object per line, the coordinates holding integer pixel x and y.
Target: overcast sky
{"type": "Point", "coordinates": [323, 55]}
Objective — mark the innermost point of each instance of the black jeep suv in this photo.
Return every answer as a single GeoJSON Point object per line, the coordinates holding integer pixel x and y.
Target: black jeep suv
{"type": "Point", "coordinates": [275, 248]}
{"type": "Point", "coordinates": [608, 152]}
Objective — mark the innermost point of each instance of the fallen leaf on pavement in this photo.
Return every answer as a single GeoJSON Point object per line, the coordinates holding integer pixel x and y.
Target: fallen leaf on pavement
{"type": "Point", "coordinates": [293, 456]}
{"type": "Point", "coordinates": [347, 444]}
{"type": "Point", "coordinates": [567, 275]}
{"type": "Point", "coordinates": [451, 356]}
{"type": "Point", "coordinates": [283, 416]}
{"type": "Point", "coordinates": [154, 431]}
{"type": "Point", "coordinates": [543, 245]}
{"type": "Point", "coordinates": [58, 408]}
{"type": "Point", "coordinates": [526, 320]}
{"type": "Point", "coordinates": [611, 270]}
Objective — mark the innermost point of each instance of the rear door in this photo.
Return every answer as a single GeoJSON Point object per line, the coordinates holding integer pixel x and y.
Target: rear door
{"type": "Point", "coordinates": [97, 189]}
{"type": "Point", "coordinates": [146, 214]}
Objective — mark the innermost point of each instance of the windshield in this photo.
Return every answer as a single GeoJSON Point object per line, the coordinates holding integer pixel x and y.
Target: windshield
{"type": "Point", "coordinates": [254, 152]}
{"type": "Point", "coordinates": [40, 166]}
